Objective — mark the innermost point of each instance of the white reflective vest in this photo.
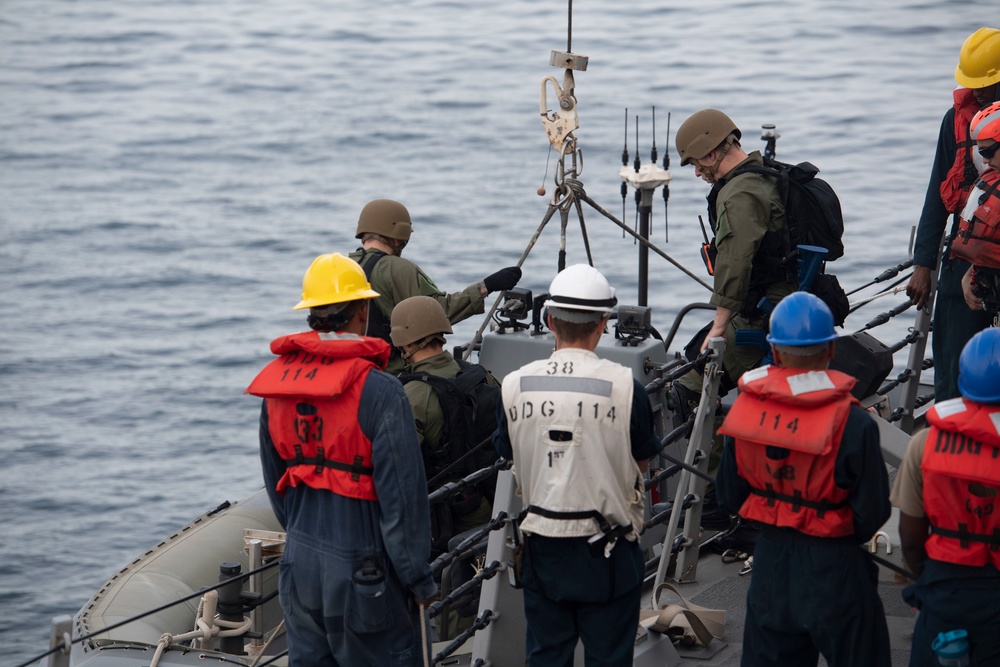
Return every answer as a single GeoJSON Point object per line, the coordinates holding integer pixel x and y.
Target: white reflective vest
{"type": "Point", "coordinates": [568, 419]}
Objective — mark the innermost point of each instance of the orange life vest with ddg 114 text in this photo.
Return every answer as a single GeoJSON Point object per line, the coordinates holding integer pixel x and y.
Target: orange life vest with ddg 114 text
{"type": "Point", "coordinates": [313, 390]}
{"type": "Point", "coordinates": [961, 470]}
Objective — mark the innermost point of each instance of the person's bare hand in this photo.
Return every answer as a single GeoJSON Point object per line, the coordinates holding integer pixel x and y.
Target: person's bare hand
{"type": "Point", "coordinates": [717, 331]}
{"type": "Point", "coordinates": [971, 300]}
{"type": "Point", "coordinates": [919, 287]}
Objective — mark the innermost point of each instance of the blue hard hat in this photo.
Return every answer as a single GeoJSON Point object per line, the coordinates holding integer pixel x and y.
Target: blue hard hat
{"type": "Point", "coordinates": [801, 319]}
{"type": "Point", "coordinates": [979, 367]}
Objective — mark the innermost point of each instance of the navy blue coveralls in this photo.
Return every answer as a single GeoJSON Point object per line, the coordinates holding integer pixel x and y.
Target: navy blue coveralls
{"type": "Point", "coordinates": [812, 595]}
{"type": "Point", "coordinates": [330, 621]}
{"type": "Point", "coordinates": [954, 322]}
{"type": "Point", "coordinates": [950, 597]}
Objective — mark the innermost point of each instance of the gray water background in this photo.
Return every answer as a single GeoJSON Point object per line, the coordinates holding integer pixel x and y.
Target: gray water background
{"type": "Point", "coordinates": [168, 170]}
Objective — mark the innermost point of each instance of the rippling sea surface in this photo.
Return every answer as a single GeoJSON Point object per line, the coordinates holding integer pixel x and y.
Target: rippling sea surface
{"type": "Point", "coordinates": [168, 170]}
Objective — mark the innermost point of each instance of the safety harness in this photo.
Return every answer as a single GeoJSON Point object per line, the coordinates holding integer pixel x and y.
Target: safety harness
{"type": "Point", "coordinates": [379, 325]}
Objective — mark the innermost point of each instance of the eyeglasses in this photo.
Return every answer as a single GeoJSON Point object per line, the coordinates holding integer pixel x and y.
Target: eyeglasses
{"type": "Point", "coordinates": [989, 151]}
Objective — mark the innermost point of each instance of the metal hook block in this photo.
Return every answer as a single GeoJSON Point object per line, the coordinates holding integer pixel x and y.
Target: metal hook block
{"type": "Point", "coordinates": [565, 60]}
{"type": "Point", "coordinates": [873, 545]}
{"type": "Point", "coordinates": [559, 125]}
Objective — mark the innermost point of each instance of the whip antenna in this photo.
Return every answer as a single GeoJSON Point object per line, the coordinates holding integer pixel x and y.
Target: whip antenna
{"type": "Point", "coordinates": [624, 165]}
{"type": "Point", "coordinates": [666, 185]}
{"type": "Point", "coordinates": [653, 156]}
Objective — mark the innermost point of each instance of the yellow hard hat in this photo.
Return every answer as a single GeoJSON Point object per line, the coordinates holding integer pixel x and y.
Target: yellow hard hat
{"type": "Point", "coordinates": [334, 279]}
{"type": "Point", "coordinates": [979, 59]}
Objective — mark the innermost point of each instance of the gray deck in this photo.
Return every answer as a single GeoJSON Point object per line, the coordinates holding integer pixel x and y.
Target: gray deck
{"type": "Point", "coordinates": [727, 590]}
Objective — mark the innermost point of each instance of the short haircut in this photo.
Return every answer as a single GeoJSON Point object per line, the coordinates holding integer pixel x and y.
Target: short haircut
{"type": "Point", "coordinates": [803, 350]}
{"type": "Point", "coordinates": [396, 244]}
{"type": "Point", "coordinates": [572, 332]}
{"type": "Point", "coordinates": [334, 316]}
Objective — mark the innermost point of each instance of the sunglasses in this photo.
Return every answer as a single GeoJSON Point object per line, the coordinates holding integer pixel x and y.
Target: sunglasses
{"type": "Point", "coordinates": [989, 151]}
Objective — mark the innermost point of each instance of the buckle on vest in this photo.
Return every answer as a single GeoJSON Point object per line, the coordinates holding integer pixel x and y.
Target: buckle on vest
{"type": "Point", "coordinates": [319, 460]}
{"type": "Point", "coordinates": [769, 494]}
{"type": "Point", "coordinates": [797, 501]}
{"type": "Point", "coordinates": [357, 468]}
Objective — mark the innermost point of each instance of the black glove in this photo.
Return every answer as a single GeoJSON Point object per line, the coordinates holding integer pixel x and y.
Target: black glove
{"type": "Point", "coordinates": [503, 279]}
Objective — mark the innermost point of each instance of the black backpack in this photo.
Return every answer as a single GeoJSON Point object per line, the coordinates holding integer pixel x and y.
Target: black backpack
{"type": "Point", "coordinates": [812, 217]}
{"type": "Point", "coordinates": [812, 209]}
{"type": "Point", "coordinates": [469, 403]}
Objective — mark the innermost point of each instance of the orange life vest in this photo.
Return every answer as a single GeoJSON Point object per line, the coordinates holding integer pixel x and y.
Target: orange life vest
{"type": "Point", "coordinates": [978, 240]}
{"type": "Point", "coordinates": [312, 391]}
{"type": "Point", "coordinates": [956, 184]}
{"type": "Point", "coordinates": [961, 470]}
{"type": "Point", "coordinates": [804, 413]}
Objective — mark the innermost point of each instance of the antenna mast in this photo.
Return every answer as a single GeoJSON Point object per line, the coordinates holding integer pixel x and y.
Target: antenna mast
{"type": "Point", "coordinates": [645, 178]}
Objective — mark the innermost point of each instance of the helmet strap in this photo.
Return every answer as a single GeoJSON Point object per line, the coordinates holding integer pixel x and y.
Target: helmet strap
{"type": "Point", "coordinates": [383, 243]}
{"type": "Point", "coordinates": [721, 151]}
{"type": "Point", "coordinates": [416, 347]}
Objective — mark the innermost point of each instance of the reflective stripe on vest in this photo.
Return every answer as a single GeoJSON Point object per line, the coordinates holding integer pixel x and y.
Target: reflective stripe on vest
{"type": "Point", "coordinates": [978, 238]}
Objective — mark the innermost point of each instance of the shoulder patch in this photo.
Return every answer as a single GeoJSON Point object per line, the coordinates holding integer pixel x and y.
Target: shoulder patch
{"type": "Point", "coordinates": [755, 374]}
{"type": "Point", "coordinates": [805, 383]}
{"type": "Point", "coordinates": [950, 407]}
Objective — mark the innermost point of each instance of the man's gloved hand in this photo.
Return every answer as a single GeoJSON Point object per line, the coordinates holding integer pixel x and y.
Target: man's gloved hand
{"type": "Point", "coordinates": [503, 279]}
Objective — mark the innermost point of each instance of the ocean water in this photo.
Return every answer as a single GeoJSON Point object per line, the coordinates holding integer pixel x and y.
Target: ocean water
{"type": "Point", "coordinates": [169, 169]}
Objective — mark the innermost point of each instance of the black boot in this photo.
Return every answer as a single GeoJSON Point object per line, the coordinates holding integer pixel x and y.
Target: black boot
{"type": "Point", "coordinates": [682, 402]}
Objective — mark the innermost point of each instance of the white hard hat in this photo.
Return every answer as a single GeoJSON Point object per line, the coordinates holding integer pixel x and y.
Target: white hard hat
{"type": "Point", "coordinates": [580, 293]}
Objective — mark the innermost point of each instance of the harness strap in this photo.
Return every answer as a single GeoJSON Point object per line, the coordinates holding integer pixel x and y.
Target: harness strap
{"type": "Point", "coordinates": [378, 324]}
{"type": "Point", "coordinates": [611, 532]}
{"type": "Point", "coordinates": [369, 258]}
{"type": "Point", "coordinates": [964, 536]}
{"type": "Point", "coordinates": [797, 501]}
{"type": "Point", "coordinates": [320, 461]}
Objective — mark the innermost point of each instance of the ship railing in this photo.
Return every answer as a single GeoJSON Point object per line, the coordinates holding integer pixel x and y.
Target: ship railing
{"type": "Point", "coordinates": [449, 489]}
{"type": "Point", "coordinates": [693, 478]}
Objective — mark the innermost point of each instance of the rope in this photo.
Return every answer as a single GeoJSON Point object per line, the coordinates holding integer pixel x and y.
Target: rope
{"type": "Point", "coordinates": [207, 627]}
{"type": "Point", "coordinates": [278, 631]}
{"type": "Point", "coordinates": [69, 641]}
{"type": "Point", "coordinates": [861, 302]}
